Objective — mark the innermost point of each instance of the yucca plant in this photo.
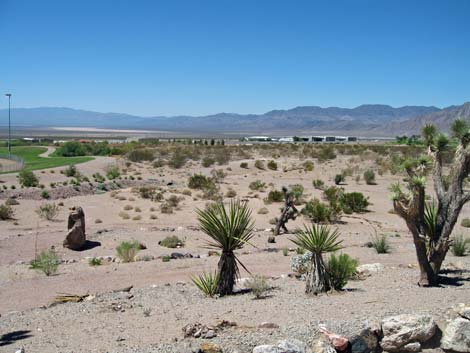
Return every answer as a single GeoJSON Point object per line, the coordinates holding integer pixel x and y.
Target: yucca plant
{"type": "Point", "coordinates": [207, 283]}
{"type": "Point", "coordinates": [381, 244]}
{"type": "Point", "coordinates": [459, 245]}
{"type": "Point", "coordinates": [230, 229]}
{"type": "Point", "coordinates": [318, 239]}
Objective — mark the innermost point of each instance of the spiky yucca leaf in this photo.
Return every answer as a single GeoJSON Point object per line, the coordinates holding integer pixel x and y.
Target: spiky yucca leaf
{"type": "Point", "coordinates": [430, 218]}
{"type": "Point", "coordinates": [429, 132]}
{"type": "Point", "coordinates": [461, 130]}
{"type": "Point", "coordinates": [207, 283]}
{"type": "Point", "coordinates": [318, 239]}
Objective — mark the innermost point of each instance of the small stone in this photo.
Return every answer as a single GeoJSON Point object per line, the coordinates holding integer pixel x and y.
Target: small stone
{"type": "Point", "coordinates": [412, 347]}
{"type": "Point", "coordinates": [271, 239]}
{"type": "Point", "coordinates": [210, 348]}
{"type": "Point", "coordinates": [210, 334]}
{"type": "Point", "coordinates": [268, 325]}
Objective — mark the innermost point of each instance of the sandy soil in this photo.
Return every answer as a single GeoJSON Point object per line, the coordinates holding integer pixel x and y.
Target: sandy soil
{"type": "Point", "coordinates": [164, 287]}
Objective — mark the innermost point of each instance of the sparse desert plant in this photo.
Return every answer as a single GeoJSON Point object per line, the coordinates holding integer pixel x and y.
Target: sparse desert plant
{"type": "Point", "coordinates": [98, 221]}
{"type": "Point", "coordinates": [318, 184]}
{"type": "Point", "coordinates": [258, 285]}
{"type": "Point", "coordinates": [48, 211]}
{"type": "Point", "coordinates": [339, 179]}
{"type": "Point", "coordinates": [459, 245]}
{"type": "Point", "coordinates": [353, 202]}
{"type": "Point", "coordinates": [124, 215]}
{"type": "Point", "coordinates": [259, 164]}
{"type": "Point", "coordinates": [11, 201]}
{"type": "Point", "coordinates": [177, 160]}
{"type": "Point", "coordinates": [45, 194]}
{"type": "Point", "coordinates": [94, 261]}
{"type": "Point", "coordinates": [318, 212]}
{"type": "Point", "coordinates": [166, 258]}
{"type": "Point", "coordinates": [127, 251]}
{"type": "Point", "coordinates": [231, 193]}
{"type": "Point", "coordinates": [171, 242]}
{"type": "Point", "coordinates": [218, 175]}
{"type": "Point", "coordinates": [140, 155]}
{"type": "Point", "coordinates": [465, 223]}
{"type": "Point", "coordinates": [112, 172]}
{"type": "Point", "coordinates": [308, 166]}
{"type": "Point", "coordinates": [275, 196]}
{"type": "Point", "coordinates": [137, 217]}
{"type": "Point", "coordinates": [369, 177]}
{"type": "Point", "coordinates": [137, 209]}
{"type": "Point", "coordinates": [230, 229]}
{"type": "Point", "coordinates": [147, 192]}
{"type": "Point", "coordinates": [166, 208]}
{"type": "Point", "coordinates": [198, 181]}
{"type": "Point", "coordinates": [47, 261]}
{"type": "Point", "coordinates": [297, 191]}
{"type": "Point", "coordinates": [244, 165]}
{"type": "Point", "coordinates": [6, 212]}
{"type": "Point", "coordinates": [153, 216]}
{"type": "Point", "coordinates": [285, 251]}
{"type": "Point", "coordinates": [263, 210]}
{"type": "Point", "coordinates": [71, 171]}
{"type": "Point", "coordinates": [27, 178]}
{"type": "Point", "coordinates": [257, 185]}
{"type": "Point", "coordinates": [341, 269]}
{"type": "Point", "coordinates": [207, 162]}
{"type": "Point", "coordinates": [272, 165]}
{"type": "Point", "coordinates": [318, 239]}
{"type": "Point", "coordinates": [381, 244]}
{"type": "Point", "coordinates": [128, 207]}
{"type": "Point", "coordinates": [207, 283]}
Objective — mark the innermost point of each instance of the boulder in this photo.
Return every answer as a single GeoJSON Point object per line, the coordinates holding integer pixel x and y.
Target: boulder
{"type": "Point", "coordinates": [370, 268]}
{"type": "Point", "coordinates": [456, 336]}
{"type": "Point", "coordinates": [366, 341]}
{"type": "Point", "coordinates": [266, 348]}
{"type": "Point", "coordinates": [76, 237]}
{"type": "Point", "coordinates": [401, 330]}
{"type": "Point", "coordinates": [284, 346]}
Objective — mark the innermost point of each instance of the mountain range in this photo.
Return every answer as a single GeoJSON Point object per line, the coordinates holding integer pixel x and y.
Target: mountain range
{"type": "Point", "coordinates": [365, 120]}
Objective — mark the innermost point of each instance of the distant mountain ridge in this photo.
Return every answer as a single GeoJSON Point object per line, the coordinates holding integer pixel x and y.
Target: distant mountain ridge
{"type": "Point", "coordinates": [367, 119]}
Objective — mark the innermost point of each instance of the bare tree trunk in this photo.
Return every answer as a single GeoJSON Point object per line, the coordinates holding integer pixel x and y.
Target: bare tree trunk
{"type": "Point", "coordinates": [228, 271]}
{"type": "Point", "coordinates": [318, 280]}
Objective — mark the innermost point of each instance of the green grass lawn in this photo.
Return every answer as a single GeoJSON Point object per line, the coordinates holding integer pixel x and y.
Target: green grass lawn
{"type": "Point", "coordinates": [34, 162]}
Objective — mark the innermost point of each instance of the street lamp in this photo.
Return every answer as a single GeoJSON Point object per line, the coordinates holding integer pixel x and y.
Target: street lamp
{"type": "Point", "coordinates": [9, 125]}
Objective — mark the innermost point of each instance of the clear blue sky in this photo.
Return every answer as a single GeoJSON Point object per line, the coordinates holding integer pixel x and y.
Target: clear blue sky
{"type": "Point", "coordinates": [248, 56]}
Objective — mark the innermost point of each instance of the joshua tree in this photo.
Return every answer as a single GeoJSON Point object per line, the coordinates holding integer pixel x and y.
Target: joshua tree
{"type": "Point", "coordinates": [318, 239]}
{"type": "Point", "coordinates": [289, 211]}
{"type": "Point", "coordinates": [431, 224]}
{"type": "Point", "coordinates": [230, 230]}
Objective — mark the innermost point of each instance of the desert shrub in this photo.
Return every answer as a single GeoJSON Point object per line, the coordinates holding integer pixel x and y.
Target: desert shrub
{"type": "Point", "coordinates": [6, 212]}
{"type": "Point", "coordinates": [339, 178]}
{"type": "Point", "coordinates": [244, 165]}
{"type": "Point", "coordinates": [27, 178]}
{"type": "Point", "coordinates": [112, 173]}
{"type": "Point", "coordinates": [124, 215]}
{"type": "Point", "coordinates": [275, 196]}
{"type": "Point", "coordinates": [318, 212]}
{"type": "Point", "coordinates": [263, 210]}
{"type": "Point", "coordinates": [198, 181]}
{"type": "Point", "coordinates": [257, 185]}
{"type": "Point", "coordinates": [230, 193]}
{"type": "Point", "coordinates": [353, 202]}
{"type": "Point", "coordinates": [174, 200]}
{"type": "Point", "coordinates": [166, 208]}
{"type": "Point", "coordinates": [285, 251]}
{"type": "Point", "coordinates": [340, 269]}
{"type": "Point", "coordinates": [347, 172]}
{"type": "Point", "coordinates": [222, 156]}
{"type": "Point", "coordinates": [48, 211]}
{"type": "Point", "coordinates": [11, 201]}
{"type": "Point", "coordinates": [297, 192]}
{"type": "Point", "coordinates": [140, 155]}
{"type": "Point", "coordinates": [94, 261]}
{"type": "Point", "coordinates": [98, 221]}
{"type": "Point", "coordinates": [325, 153]}
{"type": "Point", "coordinates": [153, 216]}
{"type": "Point", "coordinates": [369, 177]}
{"type": "Point", "coordinates": [128, 250]}
{"type": "Point", "coordinates": [207, 283]}
{"type": "Point", "coordinates": [308, 166]}
{"type": "Point", "coordinates": [137, 217]}
{"type": "Point", "coordinates": [258, 285]}
{"type": "Point", "coordinates": [459, 245]}
{"type": "Point", "coordinates": [98, 178]}
{"type": "Point", "coordinates": [45, 194]}
{"type": "Point", "coordinates": [128, 207]}
{"type": "Point", "coordinates": [171, 242]}
{"type": "Point", "coordinates": [158, 163]}
{"type": "Point", "coordinates": [381, 244]}
{"type": "Point", "coordinates": [318, 184]}
{"type": "Point", "coordinates": [71, 171]}
{"type": "Point", "coordinates": [207, 162]}
{"type": "Point", "coordinates": [147, 192]}
{"type": "Point", "coordinates": [259, 164]}
{"type": "Point", "coordinates": [177, 160]}
{"type": "Point", "coordinates": [218, 175]}
{"type": "Point", "coordinates": [465, 223]}
{"type": "Point", "coordinates": [272, 165]}
{"type": "Point", "coordinates": [47, 261]}
{"type": "Point", "coordinates": [137, 209]}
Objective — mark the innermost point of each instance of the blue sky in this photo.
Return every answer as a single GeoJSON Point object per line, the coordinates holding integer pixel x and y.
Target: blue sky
{"type": "Point", "coordinates": [247, 56]}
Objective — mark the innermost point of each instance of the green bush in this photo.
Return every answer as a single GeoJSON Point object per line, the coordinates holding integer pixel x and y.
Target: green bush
{"type": "Point", "coordinates": [48, 211]}
{"type": "Point", "coordinates": [318, 212]}
{"type": "Point", "coordinates": [127, 251]}
{"type": "Point", "coordinates": [339, 178]}
{"type": "Point", "coordinates": [6, 212]}
{"type": "Point", "coordinates": [207, 283]}
{"type": "Point", "coordinates": [27, 178]}
{"type": "Point", "coordinates": [308, 166]}
{"type": "Point", "coordinates": [141, 155]}
{"type": "Point", "coordinates": [244, 165]}
{"type": "Point", "coordinates": [272, 165]}
{"type": "Point", "coordinates": [465, 223]}
{"type": "Point", "coordinates": [207, 162]}
{"type": "Point", "coordinates": [459, 245]}
{"type": "Point", "coordinates": [94, 261]}
{"type": "Point", "coordinates": [71, 149]}
{"type": "Point", "coordinates": [198, 181]}
{"type": "Point", "coordinates": [381, 244]}
{"type": "Point", "coordinates": [259, 164]}
{"type": "Point", "coordinates": [45, 194]}
{"type": "Point", "coordinates": [318, 184]}
{"type": "Point", "coordinates": [297, 192]}
{"type": "Point", "coordinates": [369, 177]}
{"type": "Point", "coordinates": [275, 196]}
{"type": "Point", "coordinates": [171, 242]}
{"type": "Point", "coordinates": [113, 173]}
{"type": "Point", "coordinates": [257, 185]}
{"type": "Point", "coordinates": [71, 171]}
{"type": "Point", "coordinates": [47, 261]}
{"type": "Point", "coordinates": [258, 285]}
{"type": "Point", "coordinates": [177, 160]}
{"type": "Point", "coordinates": [147, 192]}
{"type": "Point", "coordinates": [340, 269]}
{"type": "Point", "coordinates": [353, 202]}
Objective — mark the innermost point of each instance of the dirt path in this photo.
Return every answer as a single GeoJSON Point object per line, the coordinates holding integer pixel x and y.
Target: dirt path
{"type": "Point", "coordinates": [49, 151]}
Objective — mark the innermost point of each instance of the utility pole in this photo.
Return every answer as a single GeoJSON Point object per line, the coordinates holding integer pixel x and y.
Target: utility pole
{"type": "Point", "coordinates": [9, 125]}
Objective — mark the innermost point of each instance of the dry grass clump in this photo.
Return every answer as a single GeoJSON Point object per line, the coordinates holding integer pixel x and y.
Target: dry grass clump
{"type": "Point", "coordinates": [6, 212]}
{"type": "Point", "coordinates": [128, 207]}
{"type": "Point", "coordinates": [124, 215]}
{"type": "Point", "coordinates": [48, 211]}
{"type": "Point", "coordinates": [263, 210]}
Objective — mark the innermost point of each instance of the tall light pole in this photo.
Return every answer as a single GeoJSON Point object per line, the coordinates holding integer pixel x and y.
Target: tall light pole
{"type": "Point", "coordinates": [9, 125]}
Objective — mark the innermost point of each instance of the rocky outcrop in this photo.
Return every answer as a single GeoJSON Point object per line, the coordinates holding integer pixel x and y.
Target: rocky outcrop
{"type": "Point", "coordinates": [76, 237]}
{"type": "Point", "coordinates": [456, 336]}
